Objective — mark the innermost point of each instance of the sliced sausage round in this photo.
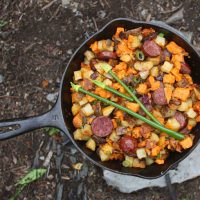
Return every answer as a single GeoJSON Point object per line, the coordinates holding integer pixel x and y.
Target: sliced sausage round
{"type": "Point", "coordinates": [165, 55]}
{"type": "Point", "coordinates": [159, 97]}
{"type": "Point", "coordinates": [185, 68]}
{"type": "Point", "coordinates": [102, 126]}
{"type": "Point", "coordinates": [128, 144]}
{"type": "Point", "coordinates": [106, 55]}
{"type": "Point", "coordinates": [181, 118]}
{"type": "Point", "coordinates": [151, 49]}
{"type": "Point", "coordinates": [99, 140]}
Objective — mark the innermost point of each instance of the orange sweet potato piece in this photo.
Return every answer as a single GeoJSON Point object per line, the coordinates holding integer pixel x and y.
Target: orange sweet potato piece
{"type": "Point", "coordinates": [159, 161]}
{"type": "Point", "coordinates": [94, 47]}
{"type": "Point", "coordinates": [119, 115]}
{"type": "Point", "coordinates": [155, 151]}
{"type": "Point", "coordinates": [154, 84]}
{"type": "Point", "coordinates": [142, 88]}
{"type": "Point", "coordinates": [118, 31]}
{"type": "Point", "coordinates": [181, 93]}
{"type": "Point", "coordinates": [173, 48]}
{"type": "Point", "coordinates": [168, 78]}
{"type": "Point", "coordinates": [186, 143]}
{"type": "Point", "coordinates": [132, 106]}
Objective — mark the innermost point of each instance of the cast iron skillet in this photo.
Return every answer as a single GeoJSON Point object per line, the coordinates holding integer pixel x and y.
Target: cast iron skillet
{"type": "Point", "coordinates": [60, 115]}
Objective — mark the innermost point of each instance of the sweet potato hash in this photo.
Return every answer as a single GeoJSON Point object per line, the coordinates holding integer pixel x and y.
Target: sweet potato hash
{"type": "Point", "coordinates": [156, 70]}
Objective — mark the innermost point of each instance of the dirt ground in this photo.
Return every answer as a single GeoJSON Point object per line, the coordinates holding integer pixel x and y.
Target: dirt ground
{"type": "Point", "coordinates": [36, 43]}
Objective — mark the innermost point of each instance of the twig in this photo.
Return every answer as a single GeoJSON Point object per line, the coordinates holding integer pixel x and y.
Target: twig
{"type": "Point", "coordinates": [173, 10]}
{"type": "Point", "coordinates": [55, 13]}
{"type": "Point", "coordinates": [95, 24]}
{"type": "Point", "coordinates": [48, 5]}
{"type": "Point", "coordinates": [13, 97]}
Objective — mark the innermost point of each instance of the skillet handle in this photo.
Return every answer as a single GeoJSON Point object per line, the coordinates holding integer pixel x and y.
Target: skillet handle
{"type": "Point", "coordinates": [51, 118]}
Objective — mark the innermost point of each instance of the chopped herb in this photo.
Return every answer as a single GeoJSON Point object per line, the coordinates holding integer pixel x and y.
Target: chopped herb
{"type": "Point", "coordinates": [161, 34]}
{"type": "Point", "coordinates": [139, 55]}
{"type": "Point", "coordinates": [136, 80]}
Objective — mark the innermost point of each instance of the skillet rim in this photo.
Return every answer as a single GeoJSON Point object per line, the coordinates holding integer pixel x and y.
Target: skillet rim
{"type": "Point", "coordinates": [158, 24]}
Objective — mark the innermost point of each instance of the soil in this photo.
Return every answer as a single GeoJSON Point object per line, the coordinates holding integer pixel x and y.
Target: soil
{"type": "Point", "coordinates": [35, 45]}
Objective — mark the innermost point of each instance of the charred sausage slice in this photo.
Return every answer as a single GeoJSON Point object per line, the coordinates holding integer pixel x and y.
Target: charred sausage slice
{"type": "Point", "coordinates": [128, 144]}
{"type": "Point", "coordinates": [102, 126]}
{"type": "Point", "coordinates": [185, 68]}
{"type": "Point", "coordinates": [181, 118]}
{"type": "Point", "coordinates": [106, 55]}
{"type": "Point", "coordinates": [159, 97]}
{"type": "Point", "coordinates": [151, 49]}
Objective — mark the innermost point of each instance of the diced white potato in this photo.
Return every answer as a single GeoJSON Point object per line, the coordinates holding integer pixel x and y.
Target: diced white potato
{"type": "Point", "coordinates": [135, 43]}
{"type": "Point", "coordinates": [143, 65]}
{"type": "Point", "coordinates": [191, 113]}
{"type": "Point", "coordinates": [86, 61]}
{"type": "Point", "coordinates": [154, 137]}
{"type": "Point", "coordinates": [105, 152]}
{"type": "Point", "coordinates": [89, 55]}
{"type": "Point", "coordinates": [149, 161]}
{"type": "Point", "coordinates": [100, 45]}
{"type": "Point", "coordinates": [166, 67]}
{"type": "Point", "coordinates": [86, 73]}
{"type": "Point", "coordinates": [108, 82]}
{"type": "Point", "coordinates": [154, 72]}
{"type": "Point", "coordinates": [98, 67]}
{"type": "Point", "coordinates": [124, 123]}
{"type": "Point", "coordinates": [125, 58]}
{"type": "Point", "coordinates": [87, 110]}
{"type": "Point", "coordinates": [77, 75]}
{"type": "Point", "coordinates": [78, 135]}
{"type": "Point", "coordinates": [141, 153]}
{"type": "Point", "coordinates": [173, 124]}
{"type": "Point", "coordinates": [87, 130]}
{"type": "Point", "coordinates": [160, 41]}
{"type": "Point", "coordinates": [192, 122]}
{"type": "Point", "coordinates": [114, 137]}
{"type": "Point", "coordinates": [144, 74]}
{"type": "Point", "coordinates": [154, 60]}
{"type": "Point", "coordinates": [128, 162]}
{"type": "Point", "coordinates": [103, 156]}
{"type": "Point", "coordinates": [75, 108]}
{"type": "Point", "coordinates": [83, 101]}
{"type": "Point", "coordinates": [90, 144]}
{"type": "Point", "coordinates": [185, 105]}
{"type": "Point", "coordinates": [140, 37]}
{"type": "Point", "coordinates": [107, 110]}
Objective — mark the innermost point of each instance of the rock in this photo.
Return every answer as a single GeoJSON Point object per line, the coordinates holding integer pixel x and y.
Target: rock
{"type": "Point", "coordinates": [1, 78]}
{"type": "Point", "coordinates": [175, 17]}
{"type": "Point", "coordinates": [101, 14]}
{"type": "Point", "coordinates": [186, 170]}
{"type": "Point", "coordinates": [52, 97]}
{"type": "Point", "coordinates": [65, 3]}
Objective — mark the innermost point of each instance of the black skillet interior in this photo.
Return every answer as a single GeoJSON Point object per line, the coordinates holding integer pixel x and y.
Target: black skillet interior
{"type": "Point", "coordinates": [154, 170]}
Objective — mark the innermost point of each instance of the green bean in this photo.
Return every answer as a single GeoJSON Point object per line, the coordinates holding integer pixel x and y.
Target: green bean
{"type": "Point", "coordinates": [104, 86]}
{"type": "Point", "coordinates": [108, 69]}
{"type": "Point", "coordinates": [171, 133]}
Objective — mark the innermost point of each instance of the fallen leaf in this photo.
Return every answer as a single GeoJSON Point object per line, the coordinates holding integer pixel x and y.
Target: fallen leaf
{"type": "Point", "coordinates": [77, 166]}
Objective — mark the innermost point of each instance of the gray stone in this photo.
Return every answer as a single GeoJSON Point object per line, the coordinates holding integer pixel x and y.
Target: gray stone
{"type": "Point", "coordinates": [1, 78]}
{"type": "Point", "coordinates": [52, 97]}
{"type": "Point", "coordinates": [186, 170]}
